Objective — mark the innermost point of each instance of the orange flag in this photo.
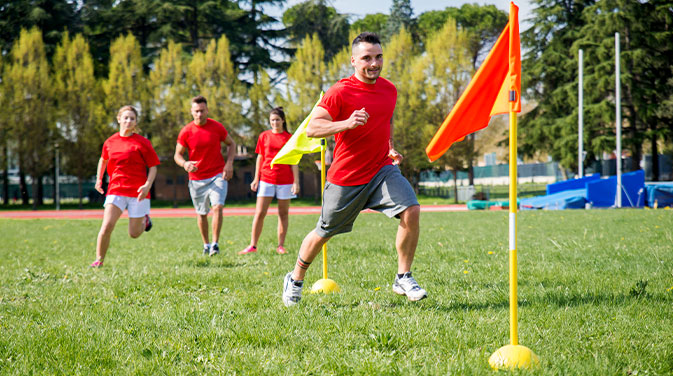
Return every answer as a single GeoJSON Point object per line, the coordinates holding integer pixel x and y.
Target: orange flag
{"type": "Point", "coordinates": [488, 93]}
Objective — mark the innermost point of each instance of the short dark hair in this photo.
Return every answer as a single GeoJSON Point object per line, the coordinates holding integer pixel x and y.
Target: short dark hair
{"type": "Point", "coordinates": [366, 37]}
{"type": "Point", "coordinates": [200, 99]}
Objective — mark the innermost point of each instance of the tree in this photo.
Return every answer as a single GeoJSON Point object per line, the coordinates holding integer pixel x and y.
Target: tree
{"type": "Point", "coordinates": [305, 79]}
{"type": "Point", "coordinates": [53, 17]}
{"type": "Point", "coordinates": [260, 105]}
{"type": "Point", "coordinates": [30, 97]}
{"type": "Point", "coordinates": [401, 15]}
{"type": "Point", "coordinates": [483, 25]}
{"type": "Point", "coordinates": [404, 67]}
{"type": "Point", "coordinates": [254, 37]}
{"type": "Point", "coordinates": [317, 17]}
{"type": "Point", "coordinates": [125, 84]}
{"type": "Point", "coordinates": [449, 68]}
{"type": "Point", "coordinates": [169, 103]}
{"type": "Point", "coordinates": [4, 138]}
{"type": "Point", "coordinates": [646, 43]}
{"type": "Point", "coordinates": [549, 76]}
{"type": "Point", "coordinates": [375, 23]}
{"type": "Point", "coordinates": [79, 112]}
{"type": "Point", "coordinates": [213, 75]}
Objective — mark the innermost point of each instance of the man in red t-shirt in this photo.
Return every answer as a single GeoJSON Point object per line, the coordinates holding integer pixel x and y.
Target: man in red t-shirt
{"type": "Point", "coordinates": [208, 172]}
{"type": "Point", "coordinates": [358, 111]}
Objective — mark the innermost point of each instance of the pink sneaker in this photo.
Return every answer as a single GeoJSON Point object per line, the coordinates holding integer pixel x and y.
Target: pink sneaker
{"type": "Point", "coordinates": [281, 250]}
{"type": "Point", "coordinates": [248, 249]}
{"type": "Point", "coordinates": [96, 264]}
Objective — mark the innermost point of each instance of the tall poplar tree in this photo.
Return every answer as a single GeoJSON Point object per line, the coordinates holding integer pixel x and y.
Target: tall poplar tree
{"type": "Point", "coordinates": [30, 97]}
{"type": "Point", "coordinates": [261, 102]}
{"type": "Point", "coordinates": [125, 83]}
{"type": "Point", "coordinates": [213, 75]}
{"type": "Point", "coordinates": [449, 67]}
{"type": "Point", "coordinates": [170, 97]}
{"type": "Point", "coordinates": [305, 79]}
{"type": "Point", "coordinates": [403, 67]}
{"type": "Point", "coordinates": [4, 141]}
{"type": "Point", "coordinates": [79, 112]}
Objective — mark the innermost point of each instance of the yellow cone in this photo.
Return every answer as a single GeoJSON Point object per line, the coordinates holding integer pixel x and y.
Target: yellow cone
{"type": "Point", "coordinates": [512, 357]}
{"type": "Point", "coordinates": [326, 286]}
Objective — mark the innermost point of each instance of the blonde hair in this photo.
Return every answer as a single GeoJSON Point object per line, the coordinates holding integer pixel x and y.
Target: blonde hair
{"type": "Point", "coordinates": [136, 129]}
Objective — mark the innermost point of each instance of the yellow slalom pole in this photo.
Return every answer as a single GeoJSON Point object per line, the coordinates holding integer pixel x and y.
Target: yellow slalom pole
{"type": "Point", "coordinates": [513, 355]}
{"type": "Point", "coordinates": [324, 285]}
{"type": "Point", "coordinates": [513, 282]}
{"type": "Point", "coordinates": [322, 200]}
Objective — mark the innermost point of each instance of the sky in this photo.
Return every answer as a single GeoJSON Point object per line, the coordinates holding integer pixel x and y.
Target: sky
{"type": "Point", "coordinates": [359, 8]}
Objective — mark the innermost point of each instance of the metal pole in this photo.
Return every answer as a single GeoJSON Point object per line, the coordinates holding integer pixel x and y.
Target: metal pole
{"type": "Point", "coordinates": [618, 115]}
{"type": "Point", "coordinates": [580, 118]}
{"type": "Point", "coordinates": [57, 191]}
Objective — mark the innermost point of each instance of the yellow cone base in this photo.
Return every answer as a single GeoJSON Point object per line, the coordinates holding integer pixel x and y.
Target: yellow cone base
{"type": "Point", "coordinates": [512, 357]}
{"type": "Point", "coordinates": [326, 286]}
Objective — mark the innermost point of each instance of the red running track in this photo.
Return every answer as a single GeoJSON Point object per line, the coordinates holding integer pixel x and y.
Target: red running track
{"type": "Point", "coordinates": [188, 212]}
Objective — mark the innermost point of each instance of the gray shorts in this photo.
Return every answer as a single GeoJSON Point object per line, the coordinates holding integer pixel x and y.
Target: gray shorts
{"type": "Point", "coordinates": [388, 192]}
{"type": "Point", "coordinates": [211, 191]}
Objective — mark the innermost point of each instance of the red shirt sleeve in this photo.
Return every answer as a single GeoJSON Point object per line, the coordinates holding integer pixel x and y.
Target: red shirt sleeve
{"type": "Point", "coordinates": [331, 101]}
{"type": "Point", "coordinates": [106, 154]}
{"type": "Point", "coordinates": [149, 155]}
{"type": "Point", "coordinates": [223, 134]}
{"type": "Point", "coordinates": [182, 137]}
{"type": "Point", "coordinates": [259, 149]}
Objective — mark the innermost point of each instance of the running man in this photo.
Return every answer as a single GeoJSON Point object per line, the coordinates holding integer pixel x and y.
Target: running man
{"type": "Point", "coordinates": [208, 172]}
{"type": "Point", "coordinates": [358, 111]}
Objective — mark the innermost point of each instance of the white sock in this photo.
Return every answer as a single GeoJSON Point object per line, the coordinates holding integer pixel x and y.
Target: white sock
{"type": "Point", "coordinates": [214, 244]}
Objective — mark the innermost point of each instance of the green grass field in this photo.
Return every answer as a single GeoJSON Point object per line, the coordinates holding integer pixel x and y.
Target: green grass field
{"type": "Point", "coordinates": [595, 298]}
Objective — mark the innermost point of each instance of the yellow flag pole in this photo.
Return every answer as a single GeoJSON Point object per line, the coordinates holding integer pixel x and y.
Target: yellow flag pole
{"type": "Point", "coordinates": [513, 355]}
{"type": "Point", "coordinates": [324, 285]}
{"type": "Point", "coordinates": [322, 200]}
{"type": "Point", "coordinates": [513, 206]}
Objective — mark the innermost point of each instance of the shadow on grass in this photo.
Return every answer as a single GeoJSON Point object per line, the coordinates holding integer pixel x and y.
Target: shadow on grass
{"type": "Point", "coordinates": [558, 299]}
{"type": "Point", "coordinates": [208, 263]}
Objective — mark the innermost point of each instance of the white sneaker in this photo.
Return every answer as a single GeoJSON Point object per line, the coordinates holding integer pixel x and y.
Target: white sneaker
{"type": "Point", "coordinates": [408, 286]}
{"type": "Point", "coordinates": [291, 290]}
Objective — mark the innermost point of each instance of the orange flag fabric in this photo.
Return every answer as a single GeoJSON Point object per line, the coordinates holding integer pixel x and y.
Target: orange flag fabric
{"type": "Point", "coordinates": [488, 93]}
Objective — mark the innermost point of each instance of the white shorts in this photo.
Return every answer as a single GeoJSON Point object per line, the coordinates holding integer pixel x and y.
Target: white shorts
{"type": "Point", "coordinates": [279, 191]}
{"type": "Point", "coordinates": [136, 209]}
{"type": "Point", "coordinates": [203, 192]}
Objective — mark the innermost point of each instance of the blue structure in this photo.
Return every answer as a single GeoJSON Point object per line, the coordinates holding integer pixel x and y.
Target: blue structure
{"type": "Point", "coordinates": [603, 193]}
{"type": "Point", "coordinates": [659, 195]}
{"type": "Point", "coordinates": [600, 193]}
{"type": "Point", "coordinates": [570, 199]}
{"type": "Point", "coordinates": [571, 184]}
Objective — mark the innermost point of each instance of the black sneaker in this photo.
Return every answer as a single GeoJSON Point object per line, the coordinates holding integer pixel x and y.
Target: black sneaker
{"type": "Point", "coordinates": [148, 223]}
{"type": "Point", "coordinates": [214, 250]}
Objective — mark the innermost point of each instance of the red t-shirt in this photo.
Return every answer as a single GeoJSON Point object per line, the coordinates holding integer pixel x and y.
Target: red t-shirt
{"type": "Point", "coordinates": [361, 152]}
{"type": "Point", "coordinates": [128, 160]}
{"type": "Point", "coordinates": [268, 145]}
{"type": "Point", "coordinates": [203, 143]}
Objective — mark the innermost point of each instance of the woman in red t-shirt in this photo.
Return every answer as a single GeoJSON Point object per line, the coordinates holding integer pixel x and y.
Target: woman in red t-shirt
{"type": "Point", "coordinates": [127, 156]}
{"type": "Point", "coordinates": [281, 181]}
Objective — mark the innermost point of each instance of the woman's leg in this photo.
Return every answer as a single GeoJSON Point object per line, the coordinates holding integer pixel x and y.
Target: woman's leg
{"type": "Point", "coordinates": [110, 217]}
{"type": "Point", "coordinates": [258, 221]}
{"type": "Point", "coordinates": [136, 227]}
{"type": "Point", "coordinates": [283, 220]}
